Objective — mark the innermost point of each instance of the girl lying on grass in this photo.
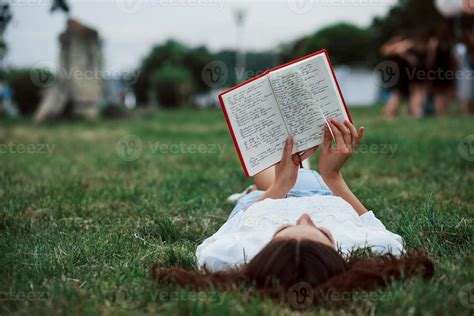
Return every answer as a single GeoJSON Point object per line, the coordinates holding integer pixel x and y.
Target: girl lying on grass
{"type": "Point", "coordinates": [299, 226]}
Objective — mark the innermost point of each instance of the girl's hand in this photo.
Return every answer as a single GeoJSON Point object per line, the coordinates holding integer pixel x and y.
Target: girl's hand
{"type": "Point", "coordinates": [332, 159]}
{"type": "Point", "coordinates": [286, 171]}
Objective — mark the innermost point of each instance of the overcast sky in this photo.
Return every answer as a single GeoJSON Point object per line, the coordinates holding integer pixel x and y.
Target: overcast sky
{"type": "Point", "coordinates": [129, 28]}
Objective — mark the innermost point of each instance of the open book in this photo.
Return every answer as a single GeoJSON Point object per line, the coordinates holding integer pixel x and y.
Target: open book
{"type": "Point", "coordinates": [296, 99]}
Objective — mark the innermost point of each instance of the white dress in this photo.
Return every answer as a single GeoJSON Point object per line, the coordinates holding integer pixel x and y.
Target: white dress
{"type": "Point", "coordinates": [246, 233]}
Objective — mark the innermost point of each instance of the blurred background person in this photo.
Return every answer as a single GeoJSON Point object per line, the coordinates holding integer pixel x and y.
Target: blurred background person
{"type": "Point", "coordinates": [465, 82]}
{"type": "Point", "coordinates": [441, 65]}
{"type": "Point", "coordinates": [409, 54]}
{"type": "Point", "coordinates": [394, 51]}
{"type": "Point", "coordinates": [418, 88]}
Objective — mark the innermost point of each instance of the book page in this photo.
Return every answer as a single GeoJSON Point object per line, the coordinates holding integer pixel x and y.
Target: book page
{"type": "Point", "coordinates": [257, 124]}
{"type": "Point", "coordinates": [302, 115]}
{"type": "Point", "coordinates": [319, 79]}
{"type": "Point", "coordinates": [307, 94]}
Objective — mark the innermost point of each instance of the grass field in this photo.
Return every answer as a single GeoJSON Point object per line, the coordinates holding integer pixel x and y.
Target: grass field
{"type": "Point", "coordinates": [80, 224]}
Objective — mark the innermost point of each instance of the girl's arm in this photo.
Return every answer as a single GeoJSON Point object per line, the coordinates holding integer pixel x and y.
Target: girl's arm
{"type": "Point", "coordinates": [339, 187]}
{"type": "Point", "coordinates": [331, 160]}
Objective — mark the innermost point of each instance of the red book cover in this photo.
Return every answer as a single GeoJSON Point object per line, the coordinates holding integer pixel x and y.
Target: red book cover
{"type": "Point", "coordinates": [221, 101]}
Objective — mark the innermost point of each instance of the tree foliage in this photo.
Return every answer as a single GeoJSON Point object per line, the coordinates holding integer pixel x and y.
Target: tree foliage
{"type": "Point", "coordinates": [346, 43]}
{"type": "Point", "coordinates": [26, 94]}
{"type": "Point", "coordinates": [255, 63]}
{"type": "Point", "coordinates": [60, 5]}
{"type": "Point", "coordinates": [172, 55]}
{"type": "Point", "coordinates": [172, 85]}
{"type": "Point", "coordinates": [5, 18]}
{"type": "Point", "coordinates": [407, 17]}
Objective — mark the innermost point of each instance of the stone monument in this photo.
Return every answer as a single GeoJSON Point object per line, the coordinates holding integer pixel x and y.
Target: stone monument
{"type": "Point", "coordinates": [77, 88]}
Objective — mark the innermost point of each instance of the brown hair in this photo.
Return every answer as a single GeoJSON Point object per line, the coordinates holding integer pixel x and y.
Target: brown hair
{"type": "Point", "coordinates": [285, 264]}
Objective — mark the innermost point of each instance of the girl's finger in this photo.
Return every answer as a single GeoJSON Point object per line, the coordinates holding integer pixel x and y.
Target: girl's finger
{"type": "Point", "coordinates": [287, 150]}
{"type": "Point", "coordinates": [341, 126]}
{"type": "Point", "coordinates": [346, 134]}
{"type": "Point", "coordinates": [327, 139]}
{"type": "Point", "coordinates": [353, 132]}
{"type": "Point", "coordinates": [338, 138]}
{"type": "Point", "coordinates": [338, 134]}
{"type": "Point", "coordinates": [360, 135]}
{"type": "Point", "coordinates": [308, 153]}
{"type": "Point", "coordinates": [296, 159]}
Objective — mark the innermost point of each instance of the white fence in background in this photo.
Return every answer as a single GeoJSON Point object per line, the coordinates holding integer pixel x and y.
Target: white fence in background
{"type": "Point", "coordinates": [358, 85]}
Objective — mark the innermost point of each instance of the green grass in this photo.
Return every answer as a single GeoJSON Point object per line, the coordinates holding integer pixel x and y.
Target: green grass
{"type": "Point", "coordinates": [79, 228]}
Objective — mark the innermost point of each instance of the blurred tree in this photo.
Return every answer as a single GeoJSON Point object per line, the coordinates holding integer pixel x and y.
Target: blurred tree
{"type": "Point", "coordinates": [256, 63]}
{"type": "Point", "coordinates": [5, 18]}
{"type": "Point", "coordinates": [60, 5]}
{"type": "Point", "coordinates": [195, 60]}
{"type": "Point", "coordinates": [172, 53]}
{"type": "Point", "coordinates": [287, 51]}
{"type": "Point", "coordinates": [172, 85]}
{"type": "Point", "coordinates": [407, 17]}
{"type": "Point", "coordinates": [346, 44]}
{"type": "Point", "coordinates": [27, 93]}
{"type": "Point", "coordinates": [228, 58]}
